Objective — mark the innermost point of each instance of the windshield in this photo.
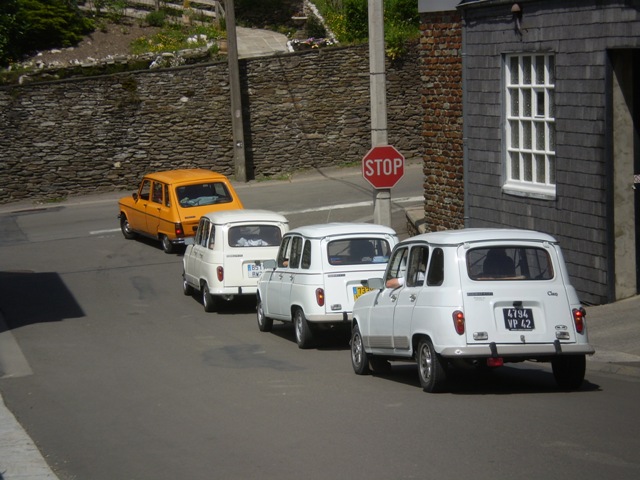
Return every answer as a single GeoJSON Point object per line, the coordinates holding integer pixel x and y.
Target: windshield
{"type": "Point", "coordinates": [509, 263]}
{"type": "Point", "coordinates": [203, 194]}
{"type": "Point", "coordinates": [254, 236]}
{"type": "Point", "coordinates": [358, 251]}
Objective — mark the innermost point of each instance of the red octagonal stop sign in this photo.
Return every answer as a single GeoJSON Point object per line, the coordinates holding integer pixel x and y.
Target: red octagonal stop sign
{"type": "Point", "coordinates": [383, 166]}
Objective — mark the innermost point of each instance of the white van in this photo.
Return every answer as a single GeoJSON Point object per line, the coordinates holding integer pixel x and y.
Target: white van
{"type": "Point", "coordinates": [226, 257]}
{"type": "Point", "coordinates": [320, 271]}
{"type": "Point", "coordinates": [481, 297]}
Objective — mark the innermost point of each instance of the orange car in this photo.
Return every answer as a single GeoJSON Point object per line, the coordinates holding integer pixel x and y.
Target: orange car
{"type": "Point", "coordinates": [168, 205]}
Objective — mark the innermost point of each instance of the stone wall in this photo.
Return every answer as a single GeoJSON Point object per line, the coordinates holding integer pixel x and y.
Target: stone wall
{"type": "Point", "coordinates": [302, 110]}
{"type": "Point", "coordinates": [441, 71]}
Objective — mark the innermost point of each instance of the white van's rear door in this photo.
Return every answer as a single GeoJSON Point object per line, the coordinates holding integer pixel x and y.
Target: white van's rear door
{"type": "Point", "coordinates": [522, 301]}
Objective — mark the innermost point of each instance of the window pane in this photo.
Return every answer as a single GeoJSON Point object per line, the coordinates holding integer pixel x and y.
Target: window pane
{"type": "Point", "coordinates": [540, 70]}
{"type": "Point", "coordinates": [539, 128]}
{"type": "Point", "coordinates": [515, 134]}
{"type": "Point", "coordinates": [552, 170]}
{"type": "Point", "coordinates": [515, 166]}
{"type": "Point", "coordinates": [526, 70]}
{"type": "Point", "coordinates": [540, 169]}
{"type": "Point", "coordinates": [514, 71]}
{"type": "Point", "coordinates": [526, 135]}
{"type": "Point", "coordinates": [514, 97]}
{"type": "Point", "coordinates": [552, 105]}
{"type": "Point", "coordinates": [540, 103]}
{"type": "Point", "coordinates": [551, 65]}
{"type": "Point", "coordinates": [551, 137]}
{"type": "Point", "coordinates": [526, 164]}
{"type": "Point", "coordinates": [526, 100]}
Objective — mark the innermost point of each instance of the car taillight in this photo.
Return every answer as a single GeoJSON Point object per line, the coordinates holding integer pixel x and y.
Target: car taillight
{"type": "Point", "coordinates": [179, 230]}
{"type": "Point", "coordinates": [220, 273]}
{"type": "Point", "coordinates": [578, 319]}
{"type": "Point", "coordinates": [320, 297]}
{"type": "Point", "coordinates": [458, 322]}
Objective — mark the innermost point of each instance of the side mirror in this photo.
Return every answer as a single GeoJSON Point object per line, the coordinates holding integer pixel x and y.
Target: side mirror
{"type": "Point", "coordinates": [135, 196]}
{"type": "Point", "coordinates": [269, 264]}
{"type": "Point", "coordinates": [189, 241]}
{"type": "Point", "coordinates": [374, 283]}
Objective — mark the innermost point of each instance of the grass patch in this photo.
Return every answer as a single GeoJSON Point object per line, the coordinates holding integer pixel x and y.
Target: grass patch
{"type": "Point", "coordinates": [174, 37]}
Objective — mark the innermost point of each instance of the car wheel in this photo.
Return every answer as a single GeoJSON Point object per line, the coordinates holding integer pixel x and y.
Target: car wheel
{"type": "Point", "coordinates": [264, 324]}
{"type": "Point", "coordinates": [186, 288]}
{"type": "Point", "coordinates": [359, 358]}
{"type": "Point", "coordinates": [208, 300]}
{"type": "Point", "coordinates": [126, 228]}
{"type": "Point", "coordinates": [167, 246]}
{"type": "Point", "coordinates": [304, 335]}
{"type": "Point", "coordinates": [430, 367]}
{"type": "Point", "coordinates": [569, 371]}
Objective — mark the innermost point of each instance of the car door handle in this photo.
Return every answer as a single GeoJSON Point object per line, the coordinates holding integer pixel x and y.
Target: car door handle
{"type": "Point", "coordinates": [280, 276]}
{"type": "Point", "coordinates": [412, 297]}
{"type": "Point", "coordinates": [393, 297]}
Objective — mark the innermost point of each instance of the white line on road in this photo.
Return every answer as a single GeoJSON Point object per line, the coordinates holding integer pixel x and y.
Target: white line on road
{"type": "Point", "coordinates": [307, 210]}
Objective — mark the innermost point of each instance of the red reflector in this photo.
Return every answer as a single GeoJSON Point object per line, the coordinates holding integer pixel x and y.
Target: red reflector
{"type": "Point", "coordinates": [220, 273]}
{"type": "Point", "coordinates": [578, 319]}
{"type": "Point", "coordinates": [495, 362]}
{"type": "Point", "coordinates": [179, 230]}
{"type": "Point", "coordinates": [458, 322]}
{"type": "Point", "coordinates": [320, 297]}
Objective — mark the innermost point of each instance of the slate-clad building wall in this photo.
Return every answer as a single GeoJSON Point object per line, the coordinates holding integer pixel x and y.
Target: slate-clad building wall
{"type": "Point", "coordinates": [579, 34]}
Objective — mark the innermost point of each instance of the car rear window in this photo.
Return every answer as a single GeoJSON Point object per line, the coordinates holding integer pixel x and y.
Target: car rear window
{"type": "Point", "coordinates": [200, 194]}
{"type": "Point", "coordinates": [358, 251]}
{"type": "Point", "coordinates": [255, 236]}
{"type": "Point", "coordinates": [509, 263]}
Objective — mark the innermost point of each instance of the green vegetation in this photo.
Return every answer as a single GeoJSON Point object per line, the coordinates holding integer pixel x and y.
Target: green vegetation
{"type": "Point", "coordinates": [30, 25]}
{"type": "Point", "coordinates": [349, 21]}
{"type": "Point", "coordinates": [174, 37]}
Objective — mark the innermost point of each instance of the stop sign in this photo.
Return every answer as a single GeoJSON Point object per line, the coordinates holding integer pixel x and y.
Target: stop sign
{"type": "Point", "coordinates": [383, 166]}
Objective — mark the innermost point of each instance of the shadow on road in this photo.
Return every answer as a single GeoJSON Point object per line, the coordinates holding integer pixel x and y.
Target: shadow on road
{"type": "Point", "coordinates": [29, 297]}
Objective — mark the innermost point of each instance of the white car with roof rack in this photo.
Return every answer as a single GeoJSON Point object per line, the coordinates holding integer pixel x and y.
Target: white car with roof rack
{"type": "Point", "coordinates": [474, 296]}
{"type": "Point", "coordinates": [227, 255]}
{"type": "Point", "coordinates": [319, 272]}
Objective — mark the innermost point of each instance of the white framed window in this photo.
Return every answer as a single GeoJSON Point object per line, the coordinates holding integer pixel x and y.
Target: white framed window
{"type": "Point", "coordinates": [530, 125]}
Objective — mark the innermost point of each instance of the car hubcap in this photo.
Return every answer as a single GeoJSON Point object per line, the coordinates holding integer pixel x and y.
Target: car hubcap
{"type": "Point", "coordinates": [356, 350]}
{"type": "Point", "coordinates": [425, 363]}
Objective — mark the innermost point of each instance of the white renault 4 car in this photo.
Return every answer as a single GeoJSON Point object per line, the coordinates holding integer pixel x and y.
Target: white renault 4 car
{"type": "Point", "coordinates": [226, 257]}
{"type": "Point", "coordinates": [472, 297]}
{"type": "Point", "coordinates": [320, 271]}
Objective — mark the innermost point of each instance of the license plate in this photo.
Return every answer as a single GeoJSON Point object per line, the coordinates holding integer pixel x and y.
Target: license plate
{"type": "Point", "coordinates": [254, 270]}
{"type": "Point", "coordinates": [358, 291]}
{"type": "Point", "coordinates": [518, 318]}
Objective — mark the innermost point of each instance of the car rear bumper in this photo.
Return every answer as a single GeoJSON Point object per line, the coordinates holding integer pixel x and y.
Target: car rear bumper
{"type": "Point", "coordinates": [330, 318]}
{"type": "Point", "coordinates": [247, 290]}
{"type": "Point", "coordinates": [517, 350]}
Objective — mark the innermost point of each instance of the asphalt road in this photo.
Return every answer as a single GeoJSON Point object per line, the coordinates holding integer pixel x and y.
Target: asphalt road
{"type": "Point", "coordinates": [121, 376]}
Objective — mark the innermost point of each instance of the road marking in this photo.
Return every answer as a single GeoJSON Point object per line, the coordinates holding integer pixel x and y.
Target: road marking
{"type": "Point", "coordinates": [307, 210]}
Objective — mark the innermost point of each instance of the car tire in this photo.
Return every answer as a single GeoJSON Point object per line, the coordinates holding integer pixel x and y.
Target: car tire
{"type": "Point", "coordinates": [186, 288]}
{"type": "Point", "coordinates": [431, 369]}
{"type": "Point", "coordinates": [208, 300]}
{"type": "Point", "coordinates": [264, 324]}
{"type": "Point", "coordinates": [167, 246]}
{"type": "Point", "coordinates": [569, 371]}
{"type": "Point", "coordinates": [359, 357]}
{"type": "Point", "coordinates": [126, 228]}
{"type": "Point", "coordinates": [304, 336]}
